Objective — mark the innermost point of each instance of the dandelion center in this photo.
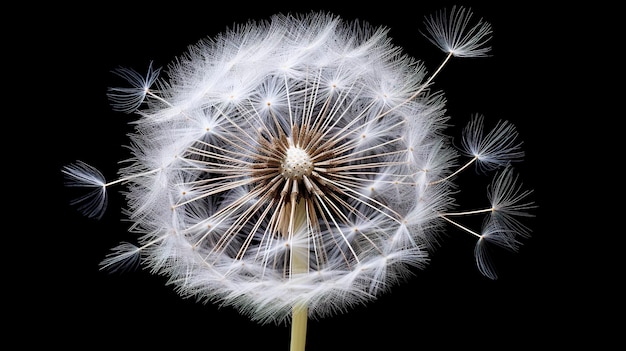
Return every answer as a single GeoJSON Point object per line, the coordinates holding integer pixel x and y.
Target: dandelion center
{"type": "Point", "coordinates": [297, 163]}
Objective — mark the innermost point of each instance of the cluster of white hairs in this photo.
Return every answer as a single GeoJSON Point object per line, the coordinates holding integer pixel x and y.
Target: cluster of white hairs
{"type": "Point", "coordinates": [302, 160]}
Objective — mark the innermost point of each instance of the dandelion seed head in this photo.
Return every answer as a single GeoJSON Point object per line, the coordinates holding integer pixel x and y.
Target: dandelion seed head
{"type": "Point", "coordinates": [296, 161]}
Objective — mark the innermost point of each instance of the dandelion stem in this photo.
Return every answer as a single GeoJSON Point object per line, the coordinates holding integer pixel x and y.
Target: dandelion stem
{"type": "Point", "coordinates": [298, 328]}
{"type": "Point", "coordinates": [299, 264]}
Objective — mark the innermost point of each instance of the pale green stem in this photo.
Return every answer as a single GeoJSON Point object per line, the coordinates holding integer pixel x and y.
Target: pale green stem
{"type": "Point", "coordinates": [299, 264]}
{"type": "Point", "coordinates": [298, 328]}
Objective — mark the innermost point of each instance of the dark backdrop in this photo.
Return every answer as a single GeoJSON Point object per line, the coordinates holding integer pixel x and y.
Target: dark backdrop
{"type": "Point", "coordinates": [538, 300]}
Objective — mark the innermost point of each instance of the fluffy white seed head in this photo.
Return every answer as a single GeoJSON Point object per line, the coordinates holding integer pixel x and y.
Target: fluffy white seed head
{"type": "Point", "coordinates": [297, 161]}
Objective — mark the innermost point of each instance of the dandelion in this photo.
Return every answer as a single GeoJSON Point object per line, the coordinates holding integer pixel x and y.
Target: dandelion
{"type": "Point", "coordinates": [295, 167]}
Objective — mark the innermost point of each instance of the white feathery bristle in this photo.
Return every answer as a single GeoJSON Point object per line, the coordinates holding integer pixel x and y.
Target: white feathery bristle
{"type": "Point", "coordinates": [123, 257]}
{"type": "Point", "coordinates": [510, 201]}
{"type": "Point", "coordinates": [80, 174]}
{"type": "Point", "coordinates": [130, 99]}
{"type": "Point", "coordinates": [455, 34]}
{"type": "Point", "coordinates": [484, 261]}
{"type": "Point", "coordinates": [496, 148]}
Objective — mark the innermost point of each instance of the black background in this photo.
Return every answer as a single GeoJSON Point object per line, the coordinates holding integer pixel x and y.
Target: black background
{"type": "Point", "coordinates": [541, 298]}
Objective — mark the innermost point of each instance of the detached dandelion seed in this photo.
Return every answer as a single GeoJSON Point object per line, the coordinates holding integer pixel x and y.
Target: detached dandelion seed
{"type": "Point", "coordinates": [295, 167]}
